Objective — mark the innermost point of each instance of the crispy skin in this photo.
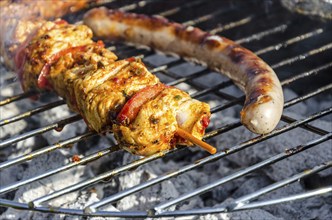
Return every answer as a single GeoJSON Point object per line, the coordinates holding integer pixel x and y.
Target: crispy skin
{"type": "Point", "coordinates": [264, 97]}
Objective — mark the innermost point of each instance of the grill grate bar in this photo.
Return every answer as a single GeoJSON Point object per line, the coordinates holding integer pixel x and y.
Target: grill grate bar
{"type": "Point", "coordinates": [174, 10]}
{"type": "Point", "coordinates": [189, 77]}
{"type": "Point", "coordinates": [260, 35]}
{"type": "Point", "coordinates": [57, 125]}
{"type": "Point", "coordinates": [247, 198]}
{"type": "Point", "coordinates": [236, 205]}
{"type": "Point", "coordinates": [307, 96]}
{"type": "Point", "coordinates": [308, 127]}
{"type": "Point", "coordinates": [68, 166]}
{"type": "Point", "coordinates": [311, 193]}
{"type": "Point", "coordinates": [45, 150]}
{"type": "Point", "coordinates": [32, 112]}
{"type": "Point", "coordinates": [7, 81]}
{"type": "Point", "coordinates": [306, 74]}
{"type": "Point", "coordinates": [231, 25]}
{"type": "Point", "coordinates": [17, 97]}
{"type": "Point", "coordinates": [136, 5]}
{"type": "Point", "coordinates": [206, 17]}
{"type": "Point", "coordinates": [277, 185]}
{"type": "Point", "coordinates": [132, 214]}
{"type": "Point", "coordinates": [221, 85]}
{"type": "Point", "coordinates": [183, 169]}
{"type": "Point", "coordinates": [302, 56]}
{"type": "Point", "coordinates": [93, 207]}
{"type": "Point", "coordinates": [290, 41]}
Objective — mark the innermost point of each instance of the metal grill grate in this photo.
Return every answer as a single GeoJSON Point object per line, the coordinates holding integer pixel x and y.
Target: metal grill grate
{"type": "Point", "coordinates": [299, 54]}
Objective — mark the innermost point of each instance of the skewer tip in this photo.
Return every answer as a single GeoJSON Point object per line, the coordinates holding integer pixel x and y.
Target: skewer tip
{"type": "Point", "coordinates": [186, 135]}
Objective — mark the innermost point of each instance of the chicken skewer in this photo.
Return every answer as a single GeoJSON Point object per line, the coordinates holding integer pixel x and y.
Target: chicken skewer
{"type": "Point", "coordinates": [62, 57]}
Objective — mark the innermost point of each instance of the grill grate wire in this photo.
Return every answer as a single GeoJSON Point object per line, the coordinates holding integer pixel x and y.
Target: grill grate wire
{"type": "Point", "coordinates": [241, 203]}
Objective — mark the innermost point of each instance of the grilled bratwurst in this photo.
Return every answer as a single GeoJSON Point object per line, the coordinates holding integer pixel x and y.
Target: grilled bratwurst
{"type": "Point", "coordinates": [111, 95]}
{"type": "Point", "coordinates": [264, 97]}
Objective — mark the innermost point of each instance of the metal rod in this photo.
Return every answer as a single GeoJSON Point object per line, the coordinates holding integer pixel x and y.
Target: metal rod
{"type": "Point", "coordinates": [211, 89]}
{"type": "Point", "coordinates": [209, 16]}
{"type": "Point", "coordinates": [17, 97]}
{"type": "Point", "coordinates": [231, 25]}
{"type": "Point", "coordinates": [308, 127]}
{"type": "Point", "coordinates": [136, 5]}
{"type": "Point", "coordinates": [57, 125]}
{"type": "Point", "coordinates": [306, 74]}
{"type": "Point", "coordinates": [68, 166]}
{"type": "Point", "coordinates": [258, 36]}
{"type": "Point", "coordinates": [290, 41]}
{"type": "Point", "coordinates": [9, 81]}
{"type": "Point", "coordinates": [307, 96]}
{"type": "Point", "coordinates": [31, 112]}
{"type": "Point", "coordinates": [260, 204]}
{"type": "Point", "coordinates": [177, 9]}
{"type": "Point", "coordinates": [44, 150]}
{"type": "Point", "coordinates": [302, 56]}
{"type": "Point", "coordinates": [254, 205]}
{"type": "Point", "coordinates": [50, 209]}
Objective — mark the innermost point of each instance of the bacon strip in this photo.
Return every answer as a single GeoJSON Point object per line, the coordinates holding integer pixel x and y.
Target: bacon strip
{"type": "Point", "coordinates": [264, 97]}
{"type": "Point", "coordinates": [130, 110]}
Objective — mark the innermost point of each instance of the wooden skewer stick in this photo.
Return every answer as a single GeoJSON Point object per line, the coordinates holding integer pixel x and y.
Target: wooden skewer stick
{"type": "Point", "coordinates": [184, 134]}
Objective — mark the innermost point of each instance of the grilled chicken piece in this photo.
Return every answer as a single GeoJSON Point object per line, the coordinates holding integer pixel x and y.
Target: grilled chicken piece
{"type": "Point", "coordinates": [153, 128]}
{"type": "Point", "coordinates": [100, 98]}
{"type": "Point", "coordinates": [51, 41]}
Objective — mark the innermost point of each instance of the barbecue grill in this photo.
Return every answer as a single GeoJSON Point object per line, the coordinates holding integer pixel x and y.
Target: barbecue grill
{"type": "Point", "coordinates": [297, 47]}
